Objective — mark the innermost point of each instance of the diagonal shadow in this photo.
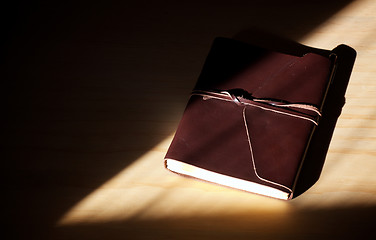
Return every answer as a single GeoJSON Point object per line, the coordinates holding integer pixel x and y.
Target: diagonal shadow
{"type": "Point", "coordinates": [304, 224]}
{"type": "Point", "coordinates": [91, 87]}
{"type": "Point", "coordinates": [335, 99]}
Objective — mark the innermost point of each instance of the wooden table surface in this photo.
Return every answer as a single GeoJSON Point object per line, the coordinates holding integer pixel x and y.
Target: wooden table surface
{"type": "Point", "coordinates": [93, 94]}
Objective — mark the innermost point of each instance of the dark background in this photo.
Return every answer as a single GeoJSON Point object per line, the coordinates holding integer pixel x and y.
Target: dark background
{"type": "Point", "coordinates": [89, 87]}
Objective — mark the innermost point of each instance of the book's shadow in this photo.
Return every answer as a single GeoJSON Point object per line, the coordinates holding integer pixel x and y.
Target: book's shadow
{"type": "Point", "coordinates": [335, 100]}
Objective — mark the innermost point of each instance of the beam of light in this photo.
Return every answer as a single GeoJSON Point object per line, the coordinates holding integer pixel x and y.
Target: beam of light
{"type": "Point", "coordinates": [347, 178]}
{"type": "Point", "coordinates": [145, 190]}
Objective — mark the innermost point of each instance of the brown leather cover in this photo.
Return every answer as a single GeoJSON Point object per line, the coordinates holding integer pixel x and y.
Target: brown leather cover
{"type": "Point", "coordinates": [252, 113]}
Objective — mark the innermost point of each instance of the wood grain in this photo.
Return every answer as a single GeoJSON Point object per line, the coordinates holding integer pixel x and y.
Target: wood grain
{"type": "Point", "coordinates": [94, 94]}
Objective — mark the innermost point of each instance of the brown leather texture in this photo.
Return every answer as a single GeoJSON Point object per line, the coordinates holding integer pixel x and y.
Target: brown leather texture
{"type": "Point", "coordinates": [257, 142]}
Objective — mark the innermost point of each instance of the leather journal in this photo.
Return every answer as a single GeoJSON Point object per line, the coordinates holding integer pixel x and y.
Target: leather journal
{"type": "Point", "coordinates": [250, 118]}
